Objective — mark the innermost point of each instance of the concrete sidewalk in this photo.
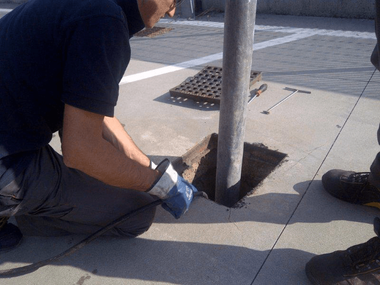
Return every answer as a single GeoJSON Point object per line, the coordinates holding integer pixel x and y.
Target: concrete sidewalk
{"type": "Point", "coordinates": [289, 217]}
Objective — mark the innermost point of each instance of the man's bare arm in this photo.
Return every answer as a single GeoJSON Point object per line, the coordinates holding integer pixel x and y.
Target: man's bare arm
{"type": "Point", "coordinates": [114, 132]}
{"type": "Point", "coordinates": [86, 146]}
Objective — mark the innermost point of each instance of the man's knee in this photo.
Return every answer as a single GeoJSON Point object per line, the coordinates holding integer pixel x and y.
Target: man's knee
{"type": "Point", "coordinates": [139, 225]}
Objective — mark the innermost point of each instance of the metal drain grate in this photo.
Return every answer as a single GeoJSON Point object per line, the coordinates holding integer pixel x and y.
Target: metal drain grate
{"type": "Point", "coordinates": [206, 85]}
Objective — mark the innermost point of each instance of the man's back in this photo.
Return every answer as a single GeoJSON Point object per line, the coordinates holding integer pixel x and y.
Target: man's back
{"type": "Point", "coordinates": [55, 52]}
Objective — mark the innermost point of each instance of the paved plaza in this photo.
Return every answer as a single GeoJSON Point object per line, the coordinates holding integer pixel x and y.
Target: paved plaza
{"type": "Point", "coordinates": [288, 218]}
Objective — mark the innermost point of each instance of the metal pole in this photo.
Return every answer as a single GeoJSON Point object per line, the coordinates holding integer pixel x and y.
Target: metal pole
{"type": "Point", "coordinates": [239, 25]}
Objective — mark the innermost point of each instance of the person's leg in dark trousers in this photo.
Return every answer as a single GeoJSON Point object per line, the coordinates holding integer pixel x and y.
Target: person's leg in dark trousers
{"type": "Point", "coordinates": [374, 176]}
{"type": "Point", "coordinates": [59, 200]}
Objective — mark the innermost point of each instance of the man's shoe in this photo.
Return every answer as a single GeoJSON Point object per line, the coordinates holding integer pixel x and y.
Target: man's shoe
{"type": "Point", "coordinates": [10, 235]}
{"type": "Point", "coordinates": [358, 265]}
{"type": "Point", "coordinates": [351, 187]}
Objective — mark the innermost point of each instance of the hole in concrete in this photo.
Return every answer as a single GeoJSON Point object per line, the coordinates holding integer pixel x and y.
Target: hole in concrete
{"type": "Point", "coordinates": [198, 166]}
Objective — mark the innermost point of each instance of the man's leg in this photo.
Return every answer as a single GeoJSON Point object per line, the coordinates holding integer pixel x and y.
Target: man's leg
{"type": "Point", "coordinates": [59, 200]}
{"type": "Point", "coordinates": [10, 235]}
{"type": "Point", "coordinates": [10, 198]}
{"type": "Point", "coordinates": [359, 264]}
{"type": "Point", "coordinates": [374, 177]}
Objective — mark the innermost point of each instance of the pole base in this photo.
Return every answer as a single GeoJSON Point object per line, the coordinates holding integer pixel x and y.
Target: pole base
{"type": "Point", "coordinates": [198, 166]}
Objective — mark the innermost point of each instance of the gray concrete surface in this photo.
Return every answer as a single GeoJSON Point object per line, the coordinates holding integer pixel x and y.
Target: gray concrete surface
{"type": "Point", "coordinates": [12, 2]}
{"type": "Point", "coordinates": [288, 218]}
{"type": "Point", "coordinates": [363, 9]}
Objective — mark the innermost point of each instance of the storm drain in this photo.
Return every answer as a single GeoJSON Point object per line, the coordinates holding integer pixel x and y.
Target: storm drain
{"type": "Point", "coordinates": [206, 85]}
{"type": "Point", "coordinates": [198, 166]}
{"type": "Point", "coordinates": [153, 32]}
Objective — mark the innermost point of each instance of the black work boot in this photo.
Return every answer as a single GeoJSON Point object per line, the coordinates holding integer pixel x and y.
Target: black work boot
{"type": "Point", "coordinates": [351, 187]}
{"type": "Point", "coordinates": [10, 235]}
{"type": "Point", "coordinates": [358, 265]}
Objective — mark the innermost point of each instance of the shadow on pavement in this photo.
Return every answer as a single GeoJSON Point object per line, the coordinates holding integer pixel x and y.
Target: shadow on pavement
{"type": "Point", "coordinates": [171, 262]}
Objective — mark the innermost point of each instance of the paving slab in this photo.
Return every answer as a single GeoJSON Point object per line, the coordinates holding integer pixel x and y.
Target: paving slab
{"type": "Point", "coordinates": [321, 223]}
{"type": "Point", "coordinates": [288, 218]}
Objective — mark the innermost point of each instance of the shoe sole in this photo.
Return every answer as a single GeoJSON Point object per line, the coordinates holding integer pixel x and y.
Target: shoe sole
{"type": "Point", "coordinates": [373, 204]}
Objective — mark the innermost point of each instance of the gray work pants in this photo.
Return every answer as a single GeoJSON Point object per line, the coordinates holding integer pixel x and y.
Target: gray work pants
{"type": "Point", "coordinates": [50, 199]}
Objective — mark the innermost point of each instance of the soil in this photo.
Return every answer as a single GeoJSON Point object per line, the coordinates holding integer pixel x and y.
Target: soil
{"type": "Point", "coordinates": [198, 166]}
{"type": "Point", "coordinates": [153, 32]}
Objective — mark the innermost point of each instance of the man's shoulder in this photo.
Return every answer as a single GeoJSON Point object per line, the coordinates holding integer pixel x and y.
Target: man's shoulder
{"type": "Point", "coordinates": [64, 10]}
{"type": "Point", "coordinates": [74, 9]}
{"type": "Point", "coordinates": [91, 8]}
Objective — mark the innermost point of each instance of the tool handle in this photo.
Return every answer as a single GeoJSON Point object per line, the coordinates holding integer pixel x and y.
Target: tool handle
{"type": "Point", "coordinates": [261, 89]}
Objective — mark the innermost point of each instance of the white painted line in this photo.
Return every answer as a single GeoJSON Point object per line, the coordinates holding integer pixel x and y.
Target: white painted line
{"type": "Point", "coordinates": [282, 40]}
{"type": "Point", "coordinates": [296, 34]}
{"type": "Point", "coordinates": [207, 59]}
{"type": "Point", "coordinates": [278, 29]}
{"type": "Point", "coordinates": [170, 68]}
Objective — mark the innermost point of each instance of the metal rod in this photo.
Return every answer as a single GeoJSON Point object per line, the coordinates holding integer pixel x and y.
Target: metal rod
{"type": "Point", "coordinates": [237, 61]}
{"type": "Point", "coordinates": [286, 98]}
{"type": "Point", "coordinates": [279, 102]}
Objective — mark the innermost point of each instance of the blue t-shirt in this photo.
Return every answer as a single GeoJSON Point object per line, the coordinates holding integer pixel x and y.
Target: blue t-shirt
{"type": "Point", "coordinates": [56, 52]}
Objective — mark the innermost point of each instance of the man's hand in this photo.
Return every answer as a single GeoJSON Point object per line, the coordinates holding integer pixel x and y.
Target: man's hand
{"type": "Point", "coordinates": [176, 193]}
{"type": "Point", "coordinates": [102, 149]}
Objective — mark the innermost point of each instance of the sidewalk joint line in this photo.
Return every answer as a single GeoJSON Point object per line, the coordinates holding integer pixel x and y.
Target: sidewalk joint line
{"type": "Point", "coordinates": [312, 180]}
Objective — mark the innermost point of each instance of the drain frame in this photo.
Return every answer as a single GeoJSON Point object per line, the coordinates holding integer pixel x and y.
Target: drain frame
{"type": "Point", "coordinates": [208, 85]}
{"type": "Point", "coordinates": [198, 166]}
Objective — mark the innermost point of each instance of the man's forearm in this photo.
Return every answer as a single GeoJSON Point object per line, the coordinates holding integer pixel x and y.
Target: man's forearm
{"type": "Point", "coordinates": [107, 164]}
{"type": "Point", "coordinates": [114, 132]}
{"type": "Point", "coordinates": [85, 148]}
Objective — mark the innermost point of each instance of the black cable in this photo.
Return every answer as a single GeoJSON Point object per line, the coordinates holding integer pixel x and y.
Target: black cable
{"type": "Point", "coordinates": [34, 266]}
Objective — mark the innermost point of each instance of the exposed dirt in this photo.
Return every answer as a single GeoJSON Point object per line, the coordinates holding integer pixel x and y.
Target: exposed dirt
{"type": "Point", "coordinates": [198, 166]}
{"type": "Point", "coordinates": [153, 32]}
